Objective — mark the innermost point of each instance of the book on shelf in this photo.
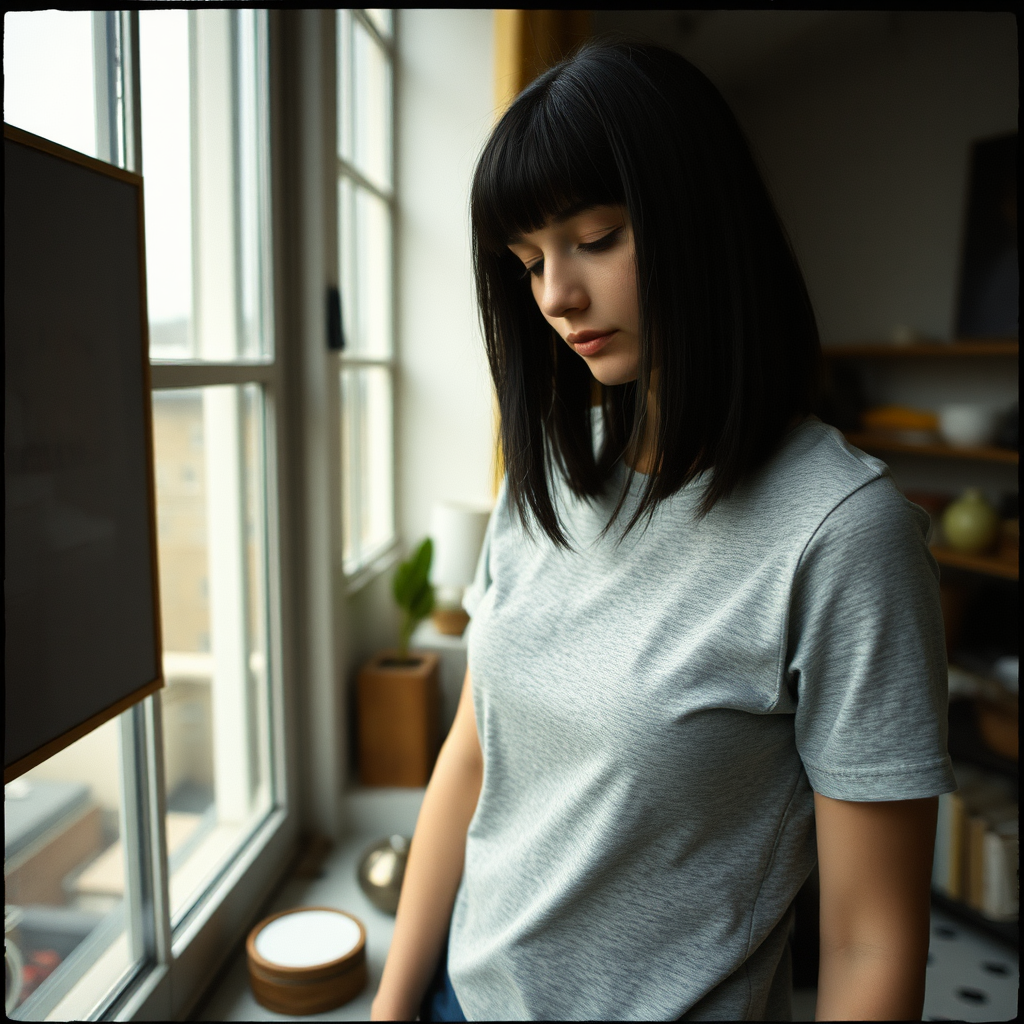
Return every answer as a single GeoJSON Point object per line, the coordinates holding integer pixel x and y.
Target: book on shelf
{"type": "Point", "coordinates": [976, 844]}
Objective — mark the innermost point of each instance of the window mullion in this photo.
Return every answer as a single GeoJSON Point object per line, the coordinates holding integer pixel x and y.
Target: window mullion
{"type": "Point", "coordinates": [132, 107]}
{"type": "Point", "coordinates": [354, 361]}
{"type": "Point", "coordinates": [198, 374]}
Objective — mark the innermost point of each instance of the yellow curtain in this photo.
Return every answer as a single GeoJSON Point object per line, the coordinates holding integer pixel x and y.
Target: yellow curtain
{"type": "Point", "coordinates": [529, 42]}
{"type": "Point", "coordinates": [525, 44]}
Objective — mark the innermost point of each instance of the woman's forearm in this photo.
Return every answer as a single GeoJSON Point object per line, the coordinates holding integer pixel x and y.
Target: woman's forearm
{"type": "Point", "coordinates": [871, 983]}
{"type": "Point", "coordinates": [433, 871]}
{"type": "Point", "coordinates": [875, 863]}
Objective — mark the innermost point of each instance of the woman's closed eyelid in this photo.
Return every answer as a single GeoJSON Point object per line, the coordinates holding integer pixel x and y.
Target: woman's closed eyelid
{"type": "Point", "coordinates": [594, 245]}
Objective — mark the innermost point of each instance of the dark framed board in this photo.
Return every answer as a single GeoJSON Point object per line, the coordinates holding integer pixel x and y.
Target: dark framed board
{"type": "Point", "coordinates": [989, 272]}
{"type": "Point", "coordinates": [81, 599]}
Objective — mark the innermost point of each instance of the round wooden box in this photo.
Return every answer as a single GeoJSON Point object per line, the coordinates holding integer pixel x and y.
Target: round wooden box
{"type": "Point", "coordinates": [307, 960]}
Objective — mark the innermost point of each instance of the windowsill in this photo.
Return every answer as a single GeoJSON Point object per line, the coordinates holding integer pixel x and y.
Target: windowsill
{"type": "Point", "coordinates": [372, 815]}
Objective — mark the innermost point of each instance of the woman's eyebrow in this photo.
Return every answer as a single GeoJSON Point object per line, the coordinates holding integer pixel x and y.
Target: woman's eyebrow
{"type": "Point", "coordinates": [560, 218]}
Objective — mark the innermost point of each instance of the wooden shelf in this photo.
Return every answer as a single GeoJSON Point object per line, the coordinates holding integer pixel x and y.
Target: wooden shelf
{"type": "Point", "coordinates": [965, 744]}
{"type": "Point", "coordinates": [880, 442]}
{"type": "Point", "coordinates": [964, 348]}
{"type": "Point", "coordinates": [988, 565]}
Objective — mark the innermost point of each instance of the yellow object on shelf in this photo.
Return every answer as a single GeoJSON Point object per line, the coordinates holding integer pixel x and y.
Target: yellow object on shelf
{"type": "Point", "coordinates": [970, 524]}
{"type": "Point", "coordinates": [899, 417]}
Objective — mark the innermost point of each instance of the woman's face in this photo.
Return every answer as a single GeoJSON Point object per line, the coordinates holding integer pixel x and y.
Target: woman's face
{"type": "Point", "coordinates": [583, 278]}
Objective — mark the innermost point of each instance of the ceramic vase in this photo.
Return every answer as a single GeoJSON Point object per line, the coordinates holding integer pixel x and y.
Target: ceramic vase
{"type": "Point", "coordinates": [970, 524]}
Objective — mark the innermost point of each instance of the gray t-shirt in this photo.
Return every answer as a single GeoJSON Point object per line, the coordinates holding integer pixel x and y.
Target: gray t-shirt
{"type": "Point", "coordinates": [655, 717]}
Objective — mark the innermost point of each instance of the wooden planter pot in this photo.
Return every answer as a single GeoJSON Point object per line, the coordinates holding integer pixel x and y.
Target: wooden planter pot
{"type": "Point", "coordinates": [398, 707]}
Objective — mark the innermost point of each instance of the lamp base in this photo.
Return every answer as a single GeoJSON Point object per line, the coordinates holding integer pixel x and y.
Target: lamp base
{"type": "Point", "coordinates": [450, 621]}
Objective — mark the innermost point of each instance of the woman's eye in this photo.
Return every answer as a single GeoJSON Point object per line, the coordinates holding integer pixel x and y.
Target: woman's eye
{"type": "Point", "coordinates": [604, 242]}
{"type": "Point", "coordinates": [598, 245]}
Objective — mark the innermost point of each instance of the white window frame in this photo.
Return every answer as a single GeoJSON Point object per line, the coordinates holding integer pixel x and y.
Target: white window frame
{"type": "Point", "coordinates": [191, 953]}
{"type": "Point", "coordinates": [173, 968]}
{"type": "Point", "coordinates": [366, 565]}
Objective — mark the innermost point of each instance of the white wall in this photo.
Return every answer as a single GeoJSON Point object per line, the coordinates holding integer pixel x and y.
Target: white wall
{"type": "Point", "coordinates": [863, 122]}
{"type": "Point", "coordinates": [866, 142]}
{"type": "Point", "coordinates": [445, 108]}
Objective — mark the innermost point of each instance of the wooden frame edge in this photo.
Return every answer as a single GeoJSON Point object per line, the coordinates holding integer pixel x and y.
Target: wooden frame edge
{"type": "Point", "coordinates": [55, 746]}
{"type": "Point", "coordinates": [55, 149]}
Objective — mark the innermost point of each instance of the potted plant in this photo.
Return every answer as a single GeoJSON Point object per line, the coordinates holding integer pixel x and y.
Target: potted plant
{"type": "Point", "coordinates": [399, 694]}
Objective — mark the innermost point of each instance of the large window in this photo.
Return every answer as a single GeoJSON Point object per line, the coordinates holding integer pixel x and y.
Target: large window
{"type": "Point", "coordinates": [203, 134]}
{"type": "Point", "coordinates": [118, 850]}
{"type": "Point", "coordinates": [365, 72]}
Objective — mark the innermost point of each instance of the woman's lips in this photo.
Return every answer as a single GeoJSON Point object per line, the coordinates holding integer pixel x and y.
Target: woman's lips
{"type": "Point", "coordinates": [587, 343]}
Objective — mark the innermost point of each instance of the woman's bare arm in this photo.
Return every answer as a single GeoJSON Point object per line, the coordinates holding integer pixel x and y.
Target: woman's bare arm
{"type": "Point", "coordinates": [434, 868]}
{"type": "Point", "coordinates": [875, 862]}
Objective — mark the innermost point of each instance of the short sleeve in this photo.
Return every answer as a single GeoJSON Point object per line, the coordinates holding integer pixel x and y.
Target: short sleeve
{"type": "Point", "coordinates": [482, 579]}
{"type": "Point", "coordinates": [866, 652]}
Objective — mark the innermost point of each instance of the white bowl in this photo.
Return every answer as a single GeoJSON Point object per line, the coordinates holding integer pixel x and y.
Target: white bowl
{"type": "Point", "coordinates": [969, 425]}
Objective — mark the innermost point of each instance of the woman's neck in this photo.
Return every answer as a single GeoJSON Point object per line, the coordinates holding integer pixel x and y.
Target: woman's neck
{"type": "Point", "coordinates": [644, 462]}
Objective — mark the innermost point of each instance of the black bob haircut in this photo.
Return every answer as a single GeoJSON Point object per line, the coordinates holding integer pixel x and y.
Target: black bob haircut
{"type": "Point", "coordinates": [724, 314]}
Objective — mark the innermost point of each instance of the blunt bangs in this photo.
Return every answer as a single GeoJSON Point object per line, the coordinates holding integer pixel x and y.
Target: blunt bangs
{"type": "Point", "coordinates": [549, 155]}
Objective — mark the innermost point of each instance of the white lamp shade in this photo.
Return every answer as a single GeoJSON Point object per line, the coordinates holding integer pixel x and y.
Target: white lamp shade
{"type": "Point", "coordinates": [458, 534]}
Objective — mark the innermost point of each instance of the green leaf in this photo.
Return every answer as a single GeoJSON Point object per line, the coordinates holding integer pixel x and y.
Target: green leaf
{"type": "Point", "coordinates": [401, 584]}
{"type": "Point", "coordinates": [421, 561]}
{"type": "Point", "coordinates": [423, 604]}
{"type": "Point", "coordinates": [413, 575]}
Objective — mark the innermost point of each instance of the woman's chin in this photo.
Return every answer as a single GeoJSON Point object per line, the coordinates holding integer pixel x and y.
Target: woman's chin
{"type": "Point", "coordinates": [606, 373]}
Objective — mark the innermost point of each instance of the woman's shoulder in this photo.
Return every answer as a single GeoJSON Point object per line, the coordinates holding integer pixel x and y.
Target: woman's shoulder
{"type": "Point", "coordinates": [847, 492]}
{"type": "Point", "coordinates": [818, 456]}
{"type": "Point", "coordinates": [816, 483]}
{"type": "Point", "coordinates": [814, 468]}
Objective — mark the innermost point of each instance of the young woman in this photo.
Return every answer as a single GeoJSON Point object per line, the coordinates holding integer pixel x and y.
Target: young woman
{"type": "Point", "coordinates": [706, 647]}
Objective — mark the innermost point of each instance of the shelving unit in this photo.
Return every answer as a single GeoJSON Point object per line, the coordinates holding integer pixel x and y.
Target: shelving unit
{"type": "Point", "coordinates": [869, 441]}
{"type": "Point", "coordinates": [964, 739]}
{"type": "Point", "coordinates": [986, 565]}
{"type": "Point", "coordinates": [965, 348]}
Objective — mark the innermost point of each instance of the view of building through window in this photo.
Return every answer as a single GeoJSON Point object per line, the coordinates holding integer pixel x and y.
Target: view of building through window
{"type": "Point", "coordinates": [66, 925]}
{"type": "Point", "coordinates": [215, 709]}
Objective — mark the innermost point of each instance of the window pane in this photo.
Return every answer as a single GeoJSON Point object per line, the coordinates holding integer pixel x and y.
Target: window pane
{"type": "Point", "coordinates": [166, 162]}
{"type": "Point", "coordinates": [203, 126]}
{"type": "Point", "coordinates": [69, 936]}
{"type": "Point", "coordinates": [49, 85]}
{"type": "Point", "coordinates": [211, 544]}
{"type": "Point", "coordinates": [250, 187]}
{"type": "Point", "coordinates": [367, 444]}
{"type": "Point", "coordinates": [351, 424]}
{"type": "Point", "coordinates": [371, 107]}
{"type": "Point", "coordinates": [364, 231]}
{"type": "Point", "coordinates": [377, 513]}
{"type": "Point", "coordinates": [344, 82]}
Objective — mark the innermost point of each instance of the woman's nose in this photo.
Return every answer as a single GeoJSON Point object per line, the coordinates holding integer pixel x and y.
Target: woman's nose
{"type": "Point", "coordinates": [561, 292]}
